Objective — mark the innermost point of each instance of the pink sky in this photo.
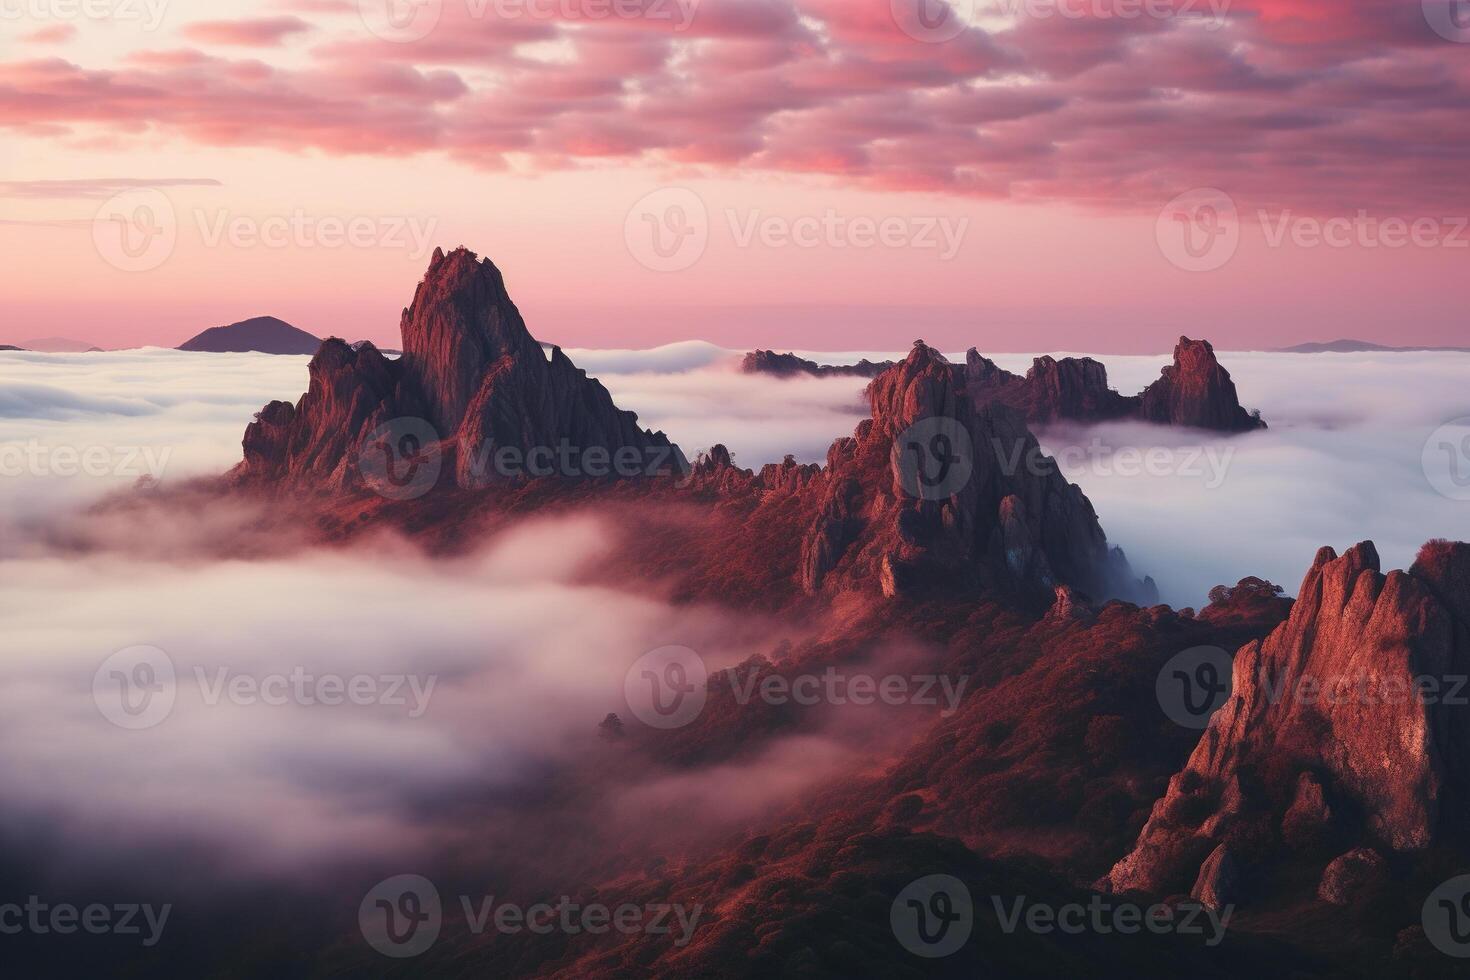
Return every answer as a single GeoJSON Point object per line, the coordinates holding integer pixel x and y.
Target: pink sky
{"type": "Point", "coordinates": [1021, 171]}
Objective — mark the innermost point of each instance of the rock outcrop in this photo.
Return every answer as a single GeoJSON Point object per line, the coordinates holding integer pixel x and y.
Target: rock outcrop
{"type": "Point", "coordinates": [932, 493]}
{"type": "Point", "coordinates": [472, 386]}
{"type": "Point", "coordinates": [1352, 876]}
{"type": "Point", "coordinates": [1069, 389]}
{"type": "Point", "coordinates": [1194, 391]}
{"type": "Point", "coordinates": [1347, 721]}
{"type": "Point", "coordinates": [790, 366]}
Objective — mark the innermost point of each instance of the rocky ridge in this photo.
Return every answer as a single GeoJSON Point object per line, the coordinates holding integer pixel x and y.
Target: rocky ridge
{"type": "Point", "coordinates": [471, 381]}
{"type": "Point", "coordinates": [1343, 730]}
{"type": "Point", "coordinates": [1194, 391]}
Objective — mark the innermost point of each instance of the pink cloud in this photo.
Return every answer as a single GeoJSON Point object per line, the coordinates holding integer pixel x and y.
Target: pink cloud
{"type": "Point", "coordinates": [261, 33]}
{"type": "Point", "coordinates": [1286, 102]}
{"type": "Point", "coordinates": [55, 34]}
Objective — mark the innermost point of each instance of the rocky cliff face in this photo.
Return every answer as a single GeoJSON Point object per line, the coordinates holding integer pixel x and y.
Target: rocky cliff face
{"type": "Point", "coordinates": [1069, 389]}
{"type": "Point", "coordinates": [472, 382]}
{"type": "Point", "coordinates": [1346, 724]}
{"type": "Point", "coordinates": [932, 493]}
{"type": "Point", "coordinates": [1196, 391]}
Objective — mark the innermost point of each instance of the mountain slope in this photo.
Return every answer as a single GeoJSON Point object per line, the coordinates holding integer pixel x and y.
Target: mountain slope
{"type": "Point", "coordinates": [264, 334]}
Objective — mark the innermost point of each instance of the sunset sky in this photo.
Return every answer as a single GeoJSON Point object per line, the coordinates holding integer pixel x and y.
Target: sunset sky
{"type": "Point", "coordinates": [820, 174]}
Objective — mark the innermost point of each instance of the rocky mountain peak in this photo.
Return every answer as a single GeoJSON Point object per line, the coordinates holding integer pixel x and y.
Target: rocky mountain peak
{"type": "Point", "coordinates": [1354, 697]}
{"type": "Point", "coordinates": [471, 378]}
{"type": "Point", "coordinates": [461, 322]}
{"type": "Point", "coordinates": [1196, 391]}
{"type": "Point", "coordinates": [932, 494]}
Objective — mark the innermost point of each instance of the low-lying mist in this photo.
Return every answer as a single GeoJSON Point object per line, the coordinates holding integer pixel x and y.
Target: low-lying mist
{"type": "Point", "coordinates": [1343, 460]}
{"type": "Point", "coordinates": [331, 708]}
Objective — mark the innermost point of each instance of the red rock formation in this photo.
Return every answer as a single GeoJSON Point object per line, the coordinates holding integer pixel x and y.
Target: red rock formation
{"type": "Point", "coordinates": [472, 381]}
{"type": "Point", "coordinates": [1196, 391]}
{"type": "Point", "coordinates": [1328, 702]}
{"type": "Point", "coordinates": [992, 514]}
{"type": "Point", "coordinates": [932, 494]}
{"type": "Point", "coordinates": [1070, 389]}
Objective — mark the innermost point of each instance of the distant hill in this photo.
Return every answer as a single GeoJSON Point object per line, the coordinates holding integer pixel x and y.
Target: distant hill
{"type": "Point", "coordinates": [8, 347]}
{"type": "Point", "coordinates": [1360, 347]}
{"type": "Point", "coordinates": [57, 345]}
{"type": "Point", "coordinates": [264, 334]}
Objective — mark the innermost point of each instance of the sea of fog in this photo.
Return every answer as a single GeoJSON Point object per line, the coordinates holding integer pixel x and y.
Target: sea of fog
{"type": "Point", "coordinates": [1359, 445]}
{"type": "Point", "coordinates": [496, 686]}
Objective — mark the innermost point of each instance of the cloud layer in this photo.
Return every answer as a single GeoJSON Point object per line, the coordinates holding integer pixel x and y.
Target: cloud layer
{"type": "Point", "coordinates": [1285, 102]}
{"type": "Point", "coordinates": [1344, 458]}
